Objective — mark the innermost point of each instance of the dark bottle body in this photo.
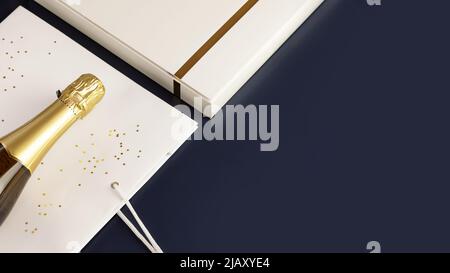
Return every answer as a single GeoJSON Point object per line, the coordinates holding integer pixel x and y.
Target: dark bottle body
{"type": "Point", "coordinates": [13, 178]}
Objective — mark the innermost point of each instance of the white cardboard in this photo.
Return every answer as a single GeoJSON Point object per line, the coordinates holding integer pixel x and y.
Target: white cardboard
{"type": "Point", "coordinates": [158, 37]}
{"type": "Point", "coordinates": [127, 138]}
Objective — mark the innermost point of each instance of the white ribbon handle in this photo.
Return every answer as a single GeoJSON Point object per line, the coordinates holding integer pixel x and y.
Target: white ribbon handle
{"type": "Point", "coordinates": [148, 239]}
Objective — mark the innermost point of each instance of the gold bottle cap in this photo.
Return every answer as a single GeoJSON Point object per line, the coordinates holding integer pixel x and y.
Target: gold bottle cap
{"type": "Point", "coordinates": [29, 143]}
{"type": "Point", "coordinates": [83, 94]}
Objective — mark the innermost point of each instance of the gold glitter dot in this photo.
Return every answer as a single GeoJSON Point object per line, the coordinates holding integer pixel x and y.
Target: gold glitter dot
{"type": "Point", "coordinates": [44, 194]}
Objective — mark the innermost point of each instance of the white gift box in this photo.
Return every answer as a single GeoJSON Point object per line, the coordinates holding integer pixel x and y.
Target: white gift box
{"type": "Point", "coordinates": [204, 49]}
{"type": "Point", "coordinates": [125, 139]}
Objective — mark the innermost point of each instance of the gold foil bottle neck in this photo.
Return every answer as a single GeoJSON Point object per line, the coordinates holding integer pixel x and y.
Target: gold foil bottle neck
{"type": "Point", "coordinates": [83, 94]}
{"type": "Point", "coordinates": [31, 142]}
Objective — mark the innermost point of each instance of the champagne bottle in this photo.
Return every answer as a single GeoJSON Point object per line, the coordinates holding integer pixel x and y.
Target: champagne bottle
{"type": "Point", "coordinates": [23, 150]}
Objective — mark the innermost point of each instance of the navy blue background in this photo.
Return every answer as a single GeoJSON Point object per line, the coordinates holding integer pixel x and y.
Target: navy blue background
{"type": "Point", "coordinates": [364, 150]}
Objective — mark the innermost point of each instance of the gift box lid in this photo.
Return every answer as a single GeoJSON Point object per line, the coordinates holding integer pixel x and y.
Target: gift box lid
{"type": "Point", "coordinates": [126, 138]}
{"type": "Point", "coordinates": [198, 49]}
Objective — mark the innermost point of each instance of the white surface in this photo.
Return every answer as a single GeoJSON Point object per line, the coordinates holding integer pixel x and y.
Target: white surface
{"type": "Point", "coordinates": [261, 30]}
{"type": "Point", "coordinates": [158, 37]}
{"type": "Point", "coordinates": [167, 32]}
{"type": "Point", "coordinates": [64, 206]}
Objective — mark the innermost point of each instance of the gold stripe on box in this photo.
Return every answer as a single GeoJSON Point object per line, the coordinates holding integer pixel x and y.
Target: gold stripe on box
{"type": "Point", "coordinates": [198, 55]}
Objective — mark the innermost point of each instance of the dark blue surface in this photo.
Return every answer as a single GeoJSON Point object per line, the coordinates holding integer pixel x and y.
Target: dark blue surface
{"type": "Point", "coordinates": [364, 150]}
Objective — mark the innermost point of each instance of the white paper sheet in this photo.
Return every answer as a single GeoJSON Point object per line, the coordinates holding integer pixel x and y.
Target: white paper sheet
{"type": "Point", "coordinates": [127, 138]}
